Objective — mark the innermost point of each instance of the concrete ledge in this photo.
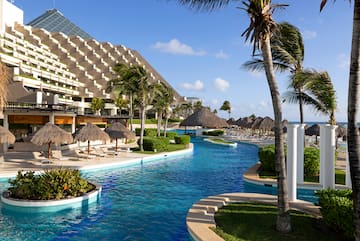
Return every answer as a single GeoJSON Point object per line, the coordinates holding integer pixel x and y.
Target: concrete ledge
{"type": "Point", "coordinates": [200, 217]}
{"type": "Point", "coordinates": [51, 205]}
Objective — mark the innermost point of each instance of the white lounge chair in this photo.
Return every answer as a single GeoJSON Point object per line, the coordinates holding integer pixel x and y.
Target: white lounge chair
{"type": "Point", "coordinates": [40, 157]}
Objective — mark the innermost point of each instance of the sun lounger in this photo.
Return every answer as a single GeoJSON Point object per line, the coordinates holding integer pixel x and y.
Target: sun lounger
{"type": "Point", "coordinates": [57, 154]}
{"type": "Point", "coordinates": [40, 157]}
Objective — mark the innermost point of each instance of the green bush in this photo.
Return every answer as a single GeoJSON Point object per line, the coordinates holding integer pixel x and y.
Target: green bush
{"type": "Point", "coordinates": [213, 133]}
{"type": "Point", "coordinates": [171, 135]}
{"type": "Point", "coordinates": [337, 210]}
{"type": "Point", "coordinates": [311, 161]}
{"type": "Point", "coordinates": [182, 139]}
{"type": "Point", "coordinates": [267, 158]}
{"type": "Point", "coordinates": [52, 184]}
{"type": "Point", "coordinates": [147, 131]}
{"type": "Point", "coordinates": [155, 143]}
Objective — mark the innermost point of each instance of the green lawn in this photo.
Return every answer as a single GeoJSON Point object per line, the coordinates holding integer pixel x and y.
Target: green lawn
{"type": "Point", "coordinates": [250, 221]}
{"type": "Point", "coordinates": [339, 176]}
{"type": "Point", "coordinates": [171, 147]}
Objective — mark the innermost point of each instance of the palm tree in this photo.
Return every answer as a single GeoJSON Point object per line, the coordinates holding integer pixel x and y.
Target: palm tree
{"type": "Point", "coordinates": [121, 103]}
{"type": "Point", "coordinates": [226, 107]}
{"type": "Point", "coordinates": [123, 84]}
{"type": "Point", "coordinates": [3, 84]}
{"type": "Point", "coordinates": [353, 140]}
{"type": "Point", "coordinates": [97, 105]}
{"type": "Point", "coordinates": [134, 81]}
{"type": "Point", "coordinates": [313, 88]}
{"type": "Point", "coordinates": [259, 32]}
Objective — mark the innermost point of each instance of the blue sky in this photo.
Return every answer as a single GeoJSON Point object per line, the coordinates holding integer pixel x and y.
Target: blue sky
{"type": "Point", "coordinates": [201, 54]}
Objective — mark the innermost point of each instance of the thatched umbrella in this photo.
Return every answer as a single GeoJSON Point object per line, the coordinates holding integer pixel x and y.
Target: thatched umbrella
{"type": "Point", "coordinates": [51, 134]}
{"type": "Point", "coordinates": [91, 132]}
{"type": "Point", "coordinates": [205, 118]}
{"type": "Point", "coordinates": [313, 130]}
{"type": "Point", "coordinates": [266, 124]}
{"type": "Point", "coordinates": [118, 130]}
{"type": "Point", "coordinates": [245, 122]}
{"type": "Point", "coordinates": [6, 136]}
{"type": "Point", "coordinates": [231, 121]}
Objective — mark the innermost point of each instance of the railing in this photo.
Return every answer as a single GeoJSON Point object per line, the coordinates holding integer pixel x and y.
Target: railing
{"type": "Point", "coordinates": [39, 107]}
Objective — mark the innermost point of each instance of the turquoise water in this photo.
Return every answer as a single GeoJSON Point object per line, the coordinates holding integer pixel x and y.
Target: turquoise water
{"type": "Point", "coordinates": [147, 202]}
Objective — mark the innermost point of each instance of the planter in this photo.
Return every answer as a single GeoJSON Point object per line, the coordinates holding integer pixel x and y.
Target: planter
{"type": "Point", "coordinates": [50, 205]}
{"type": "Point", "coordinates": [224, 143]}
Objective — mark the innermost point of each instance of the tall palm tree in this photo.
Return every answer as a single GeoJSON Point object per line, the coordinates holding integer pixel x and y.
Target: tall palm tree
{"type": "Point", "coordinates": [259, 32]}
{"type": "Point", "coordinates": [134, 80]}
{"type": "Point", "coordinates": [162, 104]}
{"type": "Point", "coordinates": [353, 140]}
{"type": "Point", "coordinates": [3, 84]}
{"type": "Point", "coordinates": [122, 84]}
{"type": "Point", "coordinates": [168, 98]}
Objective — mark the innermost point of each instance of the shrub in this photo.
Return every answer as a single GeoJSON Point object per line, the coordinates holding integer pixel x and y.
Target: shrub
{"type": "Point", "coordinates": [171, 135]}
{"type": "Point", "coordinates": [267, 158]}
{"type": "Point", "coordinates": [337, 210]}
{"type": "Point", "coordinates": [147, 131]}
{"type": "Point", "coordinates": [155, 143]}
{"type": "Point", "coordinates": [52, 184]}
{"type": "Point", "coordinates": [311, 161]}
{"type": "Point", "coordinates": [213, 133]}
{"type": "Point", "coordinates": [182, 139]}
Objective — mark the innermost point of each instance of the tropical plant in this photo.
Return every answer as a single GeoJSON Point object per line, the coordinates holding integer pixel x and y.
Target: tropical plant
{"type": "Point", "coordinates": [305, 86]}
{"type": "Point", "coordinates": [52, 184]}
{"type": "Point", "coordinates": [162, 104]}
{"type": "Point", "coordinates": [353, 140]}
{"type": "Point", "coordinates": [121, 103]}
{"type": "Point", "coordinates": [134, 80]}
{"type": "Point", "coordinates": [259, 31]}
{"type": "Point", "coordinates": [226, 107]}
{"type": "Point", "coordinates": [123, 84]}
{"type": "Point", "coordinates": [97, 105]}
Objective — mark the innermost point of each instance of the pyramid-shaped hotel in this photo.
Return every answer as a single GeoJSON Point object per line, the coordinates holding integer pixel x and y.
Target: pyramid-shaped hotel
{"type": "Point", "coordinates": [56, 69]}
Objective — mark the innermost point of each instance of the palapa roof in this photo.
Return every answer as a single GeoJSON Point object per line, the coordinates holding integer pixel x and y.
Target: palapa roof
{"type": "Point", "coordinates": [91, 132]}
{"type": "Point", "coordinates": [266, 124]}
{"type": "Point", "coordinates": [118, 130]}
{"type": "Point", "coordinates": [6, 136]}
{"type": "Point", "coordinates": [313, 130]}
{"type": "Point", "coordinates": [51, 133]}
{"type": "Point", "coordinates": [205, 118]}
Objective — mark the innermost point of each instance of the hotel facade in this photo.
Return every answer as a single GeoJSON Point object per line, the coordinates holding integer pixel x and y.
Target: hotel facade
{"type": "Point", "coordinates": [56, 69]}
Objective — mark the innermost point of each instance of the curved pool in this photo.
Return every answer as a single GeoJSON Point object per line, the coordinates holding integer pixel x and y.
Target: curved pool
{"type": "Point", "coordinates": [147, 202]}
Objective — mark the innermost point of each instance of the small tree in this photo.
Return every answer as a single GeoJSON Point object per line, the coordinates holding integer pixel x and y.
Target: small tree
{"type": "Point", "coordinates": [226, 107]}
{"type": "Point", "coordinates": [97, 105]}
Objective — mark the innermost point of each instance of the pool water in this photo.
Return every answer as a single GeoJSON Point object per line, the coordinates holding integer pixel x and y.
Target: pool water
{"type": "Point", "coordinates": [147, 202]}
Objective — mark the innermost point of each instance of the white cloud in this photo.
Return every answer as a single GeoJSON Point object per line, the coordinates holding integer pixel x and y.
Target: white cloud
{"type": "Point", "coordinates": [174, 46]}
{"type": "Point", "coordinates": [344, 61]}
{"type": "Point", "coordinates": [309, 34]}
{"type": "Point", "coordinates": [214, 101]}
{"type": "Point", "coordinates": [221, 84]}
{"type": "Point", "coordinates": [221, 55]}
{"type": "Point", "coordinates": [198, 85]}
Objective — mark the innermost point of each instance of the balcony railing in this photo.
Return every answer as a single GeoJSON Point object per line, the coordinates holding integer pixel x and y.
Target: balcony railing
{"type": "Point", "coordinates": [39, 107]}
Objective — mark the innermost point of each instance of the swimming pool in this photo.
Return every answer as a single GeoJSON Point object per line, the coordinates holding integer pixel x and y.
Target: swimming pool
{"type": "Point", "coordinates": [148, 202]}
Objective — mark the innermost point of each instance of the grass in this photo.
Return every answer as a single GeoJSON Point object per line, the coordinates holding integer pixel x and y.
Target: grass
{"type": "Point", "coordinates": [339, 176]}
{"type": "Point", "coordinates": [253, 221]}
{"type": "Point", "coordinates": [170, 148]}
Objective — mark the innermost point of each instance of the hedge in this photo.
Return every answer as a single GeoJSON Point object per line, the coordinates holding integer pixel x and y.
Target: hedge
{"type": "Point", "coordinates": [182, 139]}
{"type": "Point", "coordinates": [337, 210]}
{"type": "Point", "coordinates": [155, 143]}
{"type": "Point", "coordinates": [213, 133]}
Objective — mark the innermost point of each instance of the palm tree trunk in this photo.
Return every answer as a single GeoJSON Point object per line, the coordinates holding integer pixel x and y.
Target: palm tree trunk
{"type": "Point", "coordinates": [131, 111]}
{"type": "Point", "coordinates": [301, 109]}
{"type": "Point", "coordinates": [353, 131]}
{"type": "Point", "coordinates": [159, 119]}
{"type": "Point", "coordinates": [142, 126]}
{"type": "Point", "coordinates": [283, 219]}
{"type": "Point", "coordinates": [166, 124]}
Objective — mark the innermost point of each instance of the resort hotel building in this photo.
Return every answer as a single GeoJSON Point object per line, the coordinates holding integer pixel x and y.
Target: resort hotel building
{"type": "Point", "coordinates": [56, 69]}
